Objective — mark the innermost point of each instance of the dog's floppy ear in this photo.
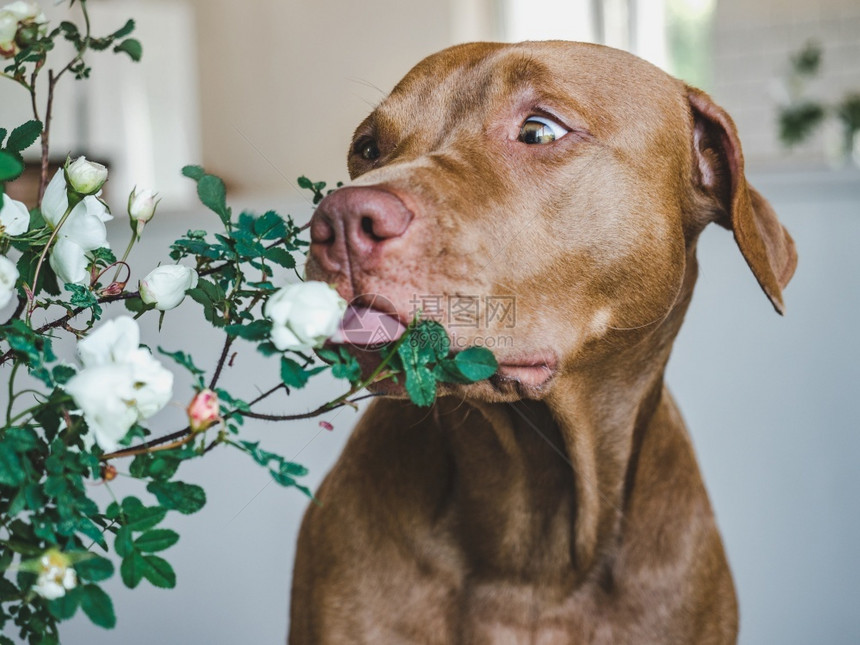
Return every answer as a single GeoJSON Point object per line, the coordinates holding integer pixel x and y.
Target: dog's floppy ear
{"type": "Point", "coordinates": [719, 170]}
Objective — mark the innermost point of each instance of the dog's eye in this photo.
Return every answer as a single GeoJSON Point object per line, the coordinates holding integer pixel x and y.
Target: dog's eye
{"type": "Point", "coordinates": [367, 149]}
{"type": "Point", "coordinates": [538, 129]}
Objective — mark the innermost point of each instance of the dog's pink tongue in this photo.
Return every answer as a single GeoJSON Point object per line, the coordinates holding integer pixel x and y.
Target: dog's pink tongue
{"type": "Point", "coordinates": [365, 326]}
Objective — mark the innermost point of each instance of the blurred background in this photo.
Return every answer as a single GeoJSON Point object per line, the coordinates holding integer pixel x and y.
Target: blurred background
{"type": "Point", "coordinates": [262, 91]}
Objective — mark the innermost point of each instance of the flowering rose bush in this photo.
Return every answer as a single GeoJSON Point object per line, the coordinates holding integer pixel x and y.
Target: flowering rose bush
{"type": "Point", "coordinates": [85, 419]}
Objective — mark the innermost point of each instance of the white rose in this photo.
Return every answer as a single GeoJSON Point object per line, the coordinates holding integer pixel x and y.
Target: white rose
{"type": "Point", "coordinates": [8, 30]}
{"type": "Point", "coordinates": [8, 278]}
{"type": "Point", "coordinates": [84, 230]}
{"type": "Point", "coordinates": [153, 383]}
{"type": "Point", "coordinates": [304, 315]}
{"type": "Point", "coordinates": [14, 217]}
{"type": "Point", "coordinates": [105, 395]}
{"type": "Point", "coordinates": [24, 10]}
{"type": "Point", "coordinates": [56, 576]}
{"type": "Point", "coordinates": [69, 262]}
{"type": "Point", "coordinates": [165, 286]}
{"type": "Point", "coordinates": [110, 343]}
{"type": "Point", "coordinates": [141, 205]}
{"type": "Point", "coordinates": [86, 177]}
{"type": "Point", "coordinates": [121, 383]}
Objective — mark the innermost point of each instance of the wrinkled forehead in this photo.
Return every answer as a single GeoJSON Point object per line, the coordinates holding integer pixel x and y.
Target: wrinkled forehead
{"type": "Point", "coordinates": [607, 90]}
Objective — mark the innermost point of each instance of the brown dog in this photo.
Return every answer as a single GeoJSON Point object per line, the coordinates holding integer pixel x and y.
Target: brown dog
{"type": "Point", "coordinates": [560, 501]}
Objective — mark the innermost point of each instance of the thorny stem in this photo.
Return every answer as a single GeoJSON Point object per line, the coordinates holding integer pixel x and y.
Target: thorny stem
{"type": "Point", "coordinates": [186, 431]}
{"type": "Point", "coordinates": [228, 342]}
{"type": "Point", "coordinates": [49, 105]}
{"type": "Point", "coordinates": [59, 322]}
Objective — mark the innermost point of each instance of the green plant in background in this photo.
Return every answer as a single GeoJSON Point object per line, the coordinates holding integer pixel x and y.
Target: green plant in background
{"type": "Point", "coordinates": [688, 39]}
{"type": "Point", "coordinates": [77, 421]}
{"type": "Point", "coordinates": [800, 115]}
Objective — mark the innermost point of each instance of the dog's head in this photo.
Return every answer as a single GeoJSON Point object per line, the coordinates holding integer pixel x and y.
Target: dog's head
{"type": "Point", "coordinates": [543, 200]}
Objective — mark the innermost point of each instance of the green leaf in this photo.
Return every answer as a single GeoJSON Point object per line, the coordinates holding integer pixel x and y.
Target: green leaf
{"type": "Point", "coordinates": [7, 588]}
{"type": "Point", "coordinates": [144, 518]}
{"type": "Point", "coordinates": [132, 47]}
{"type": "Point", "coordinates": [123, 31]}
{"type": "Point", "coordinates": [213, 194]}
{"type": "Point", "coordinates": [281, 257]}
{"type": "Point", "coordinates": [83, 297]}
{"type": "Point", "coordinates": [10, 166]}
{"type": "Point", "coordinates": [292, 373]}
{"type": "Point", "coordinates": [156, 540]}
{"type": "Point", "coordinates": [95, 569]}
{"type": "Point", "coordinates": [62, 373]}
{"type": "Point", "coordinates": [257, 330]}
{"type": "Point", "coordinates": [21, 439]}
{"type": "Point", "coordinates": [11, 469]}
{"type": "Point", "coordinates": [159, 572]}
{"type": "Point", "coordinates": [122, 543]}
{"type": "Point", "coordinates": [65, 606]}
{"type": "Point", "coordinates": [131, 569]}
{"type": "Point", "coordinates": [24, 136]}
{"type": "Point", "coordinates": [476, 363]}
{"type": "Point", "coordinates": [185, 498]}
{"type": "Point", "coordinates": [193, 172]}
{"type": "Point", "coordinates": [92, 531]}
{"type": "Point", "coordinates": [421, 386]}
{"type": "Point", "coordinates": [137, 306]}
{"type": "Point", "coordinates": [262, 457]}
{"type": "Point", "coordinates": [270, 226]}
{"type": "Point", "coordinates": [183, 359]}
{"type": "Point", "coordinates": [98, 606]}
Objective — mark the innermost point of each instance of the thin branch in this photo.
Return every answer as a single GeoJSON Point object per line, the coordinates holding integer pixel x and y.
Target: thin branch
{"type": "Point", "coordinates": [228, 342]}
{"type": "Point", "coordinates": [327, 407]}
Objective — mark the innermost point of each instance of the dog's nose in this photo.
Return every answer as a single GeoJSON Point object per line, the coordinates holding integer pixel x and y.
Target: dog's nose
{"type": "Point", "coordinates": [354, 223]}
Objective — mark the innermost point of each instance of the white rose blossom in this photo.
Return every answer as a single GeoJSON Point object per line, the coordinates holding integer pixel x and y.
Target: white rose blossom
{"type": "Point", "coordinates": [82, 232]}
{"type": "Point", "coordinates": [304, 315]}
{"type": "Point", "coordinates": [14, 217]}
{"type": "Point", "coordinates": [25, 10]}
{"type": "Point", "coordinates": [164, 287]}
{"type": "Point", "coordinates": [56, 576]}
{"type": "Point", "coordinates": [8, 278]}
{"type": "Point", "coordinates": [121, 383]}
{"type": "Point", "coordinates": [86, 177]}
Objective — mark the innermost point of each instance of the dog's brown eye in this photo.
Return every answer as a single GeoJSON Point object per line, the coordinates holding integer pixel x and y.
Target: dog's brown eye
{"type": "Point", "coordinates": [367, 149]}
{"type": "Point", "coordinates": [537, 129]}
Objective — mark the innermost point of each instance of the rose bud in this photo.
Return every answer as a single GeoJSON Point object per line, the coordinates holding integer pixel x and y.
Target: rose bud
{"type": "Point", "coordinates": [165, 286]}
{"type": "Point", "coordinates": [304, 315]}
{"type": "Point", "coordinates": [203, 411]}
{"type": "Point", "coordinates": [85, 177]}
{"type": "Point", "coordinates": [141, 208]}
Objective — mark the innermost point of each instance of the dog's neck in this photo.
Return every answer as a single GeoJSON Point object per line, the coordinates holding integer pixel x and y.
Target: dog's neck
{"type": "Point", "coordinates": [541, 482]}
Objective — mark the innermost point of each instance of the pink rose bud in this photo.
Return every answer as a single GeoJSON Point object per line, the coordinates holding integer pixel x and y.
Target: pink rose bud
{"type": "Point", "coordinates": [325, 425]}
{"type": "Point", "coordinates": [203, 410]}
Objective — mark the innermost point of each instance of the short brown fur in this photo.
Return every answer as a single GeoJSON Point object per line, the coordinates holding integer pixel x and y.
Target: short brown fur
{"type": "Point", "coordinates": [569, 510]}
